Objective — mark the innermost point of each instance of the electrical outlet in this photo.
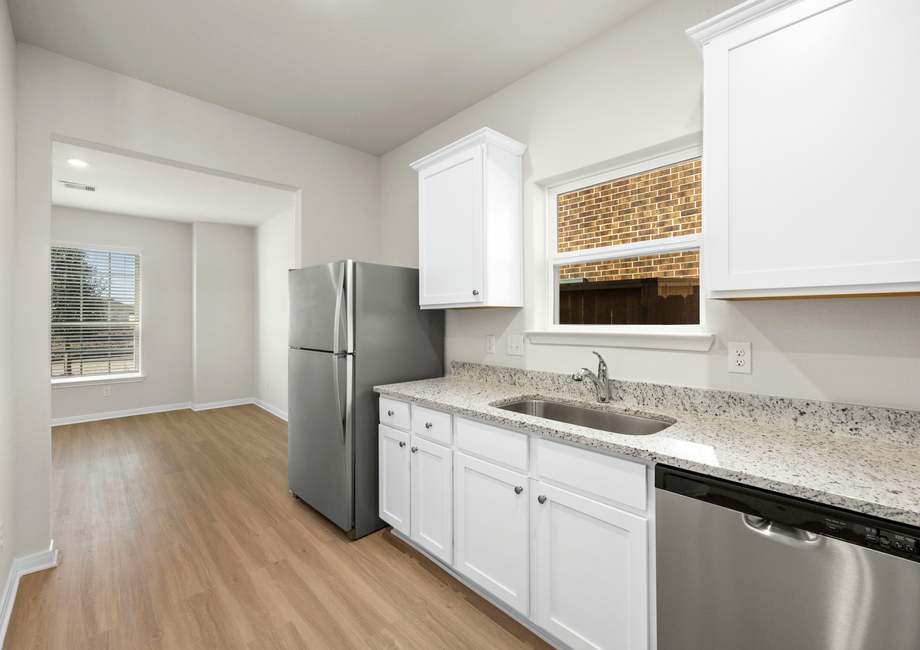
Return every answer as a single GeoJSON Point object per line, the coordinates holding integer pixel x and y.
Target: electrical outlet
{"type": "Point", "coordinates": [106, 391]}
{"type": "Point", "coordinates": [516, 345]}
{"type": "Point", "coordinates": [740, 358]}
{"type": "Point", "coordinates": [490, 344]}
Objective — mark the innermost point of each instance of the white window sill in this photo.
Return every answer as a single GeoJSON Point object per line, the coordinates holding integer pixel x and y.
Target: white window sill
{"type": "Point", "coordinates": [74, 382]}
{"type": "Point", "coordinates": [692, 341]}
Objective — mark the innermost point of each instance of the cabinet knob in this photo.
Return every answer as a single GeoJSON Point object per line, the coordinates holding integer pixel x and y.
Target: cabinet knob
{"type": "Point", "coordinates": [541, 499]}
{"type": "Point", "coordinates": [428, 425]}
{"type": "Point", "coordinates": [518, 489]}
{"type": "Point", "coordinates": [390, 413]}
{"type": "Point", "coordinates": [414, 449]}
{"type": "Point", "coordinates": [402, 443]}
{"type": "Point", "coordinates": [475, 292]}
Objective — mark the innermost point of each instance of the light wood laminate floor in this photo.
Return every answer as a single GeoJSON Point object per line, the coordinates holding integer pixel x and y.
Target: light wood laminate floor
{"type": "Point", "coordinates": [177, 530]}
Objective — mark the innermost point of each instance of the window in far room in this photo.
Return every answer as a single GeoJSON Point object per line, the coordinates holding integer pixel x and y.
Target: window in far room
{"type": "Point", "coordinates": [95, 313]}
{"type": "Point", "coordinates": [626, 246]}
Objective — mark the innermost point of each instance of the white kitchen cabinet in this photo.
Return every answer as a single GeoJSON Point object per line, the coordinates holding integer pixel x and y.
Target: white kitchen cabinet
{"type": "Point", "coordinates": [590, 579]}
{"type": "Point", "coordinates": [432, 505]}
{"type": "Point", "coordinates": [492, 529]}
{"type": "Point", "coordinates": [394, 481]}
{"type": "Point", "coordinates": [810, 148]}
{"type": "Point", "coordinates": [470, 223]}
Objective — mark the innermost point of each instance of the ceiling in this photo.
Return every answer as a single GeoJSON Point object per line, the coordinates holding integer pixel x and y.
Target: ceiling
{"type": "Point", "coordinates": [370, 74]}
{"type": "Point", "coordinates": [142, 188]}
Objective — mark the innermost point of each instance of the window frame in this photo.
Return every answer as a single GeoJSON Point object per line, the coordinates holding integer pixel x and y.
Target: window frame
{"type": "Point", "coordinates": [70, 381]}
{"type": "Point", "coordinates": [548, 329]}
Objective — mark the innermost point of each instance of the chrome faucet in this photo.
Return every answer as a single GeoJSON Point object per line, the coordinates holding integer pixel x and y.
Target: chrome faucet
{"type": "Point", "coordinates": [600, 380]}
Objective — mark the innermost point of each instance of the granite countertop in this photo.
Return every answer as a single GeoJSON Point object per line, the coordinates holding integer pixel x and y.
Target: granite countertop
{"type": "Point", "coordinates": [866, 474]}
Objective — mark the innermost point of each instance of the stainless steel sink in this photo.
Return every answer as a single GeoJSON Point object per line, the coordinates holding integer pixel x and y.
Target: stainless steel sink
{"type": "Point", "coordinates": [631, 425]}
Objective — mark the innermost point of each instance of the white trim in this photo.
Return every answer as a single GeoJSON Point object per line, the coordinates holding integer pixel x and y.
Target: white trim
{"type": "Point", "coordinates": [688, 341]}
{"type": "Point", "coordinates": [89, 380]}
{"type": "Point", "coordinates": [21, 567]}
{"type": "Point", "coordinates": [111, 415]}
{"type": "Point", "coordinates": [634, 249]}
{"type": "Point", "coordinates": [271, 409]}
{"type": "Point", "coordinates": [729, 21]}
{"type": "Point", "coordinates": [219, 405]}
{"type": "Point", "coordinates": [97, 247]}
{"type": "Point", "coordinates": [482, 136]}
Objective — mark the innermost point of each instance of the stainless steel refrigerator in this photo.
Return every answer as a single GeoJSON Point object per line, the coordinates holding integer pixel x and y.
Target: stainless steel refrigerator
{"type": "Point", "coordinates": [352, 326]}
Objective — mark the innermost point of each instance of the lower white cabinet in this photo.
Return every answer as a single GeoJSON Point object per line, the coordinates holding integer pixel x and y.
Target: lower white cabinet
{"type": "Point", "coordinates": [393, 489]}
{"type": "Point", "coordinates": [431, 497]}
{"type": "Point", "coordinates": [590, 580]}
{"type": "Point", "coordinates": [556, 532]}
{"type": "Point", "coordinates": [415, 489]}
{"type": "Point", "coordinates": [492, 529]}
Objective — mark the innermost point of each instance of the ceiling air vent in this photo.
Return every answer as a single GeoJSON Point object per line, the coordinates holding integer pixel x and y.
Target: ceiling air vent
{"type": "Point", "coordinates": [78, 186]}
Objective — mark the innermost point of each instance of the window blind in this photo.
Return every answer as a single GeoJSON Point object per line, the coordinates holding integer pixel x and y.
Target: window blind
{"type": "Point", "coordinates": [95, 312]}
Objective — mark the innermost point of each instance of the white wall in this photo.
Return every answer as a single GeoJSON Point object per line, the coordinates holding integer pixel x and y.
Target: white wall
{"type": "Point", "coordinates": [7, 266]}
{"type": "Point", "coordinates": [274, 251]}
{"type": "Point", "coordinates": [166, 309]}
{"type": "Point", "coordinates": [633, 87]}
{"type": "Point", "coordinates": [337, 215]}
{"type": "Point", "coordinates": [224, 303]}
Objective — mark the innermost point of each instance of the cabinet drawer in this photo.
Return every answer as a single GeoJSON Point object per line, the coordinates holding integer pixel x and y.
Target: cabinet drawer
{"type": "Point", "coordinates": [394, 413]}
{"type": "Point", "coordinates": [431, 424]}
{"type": "Point", "coordinates": [610, 478]}
{"type": "Point", "coordinates": [500, 445]}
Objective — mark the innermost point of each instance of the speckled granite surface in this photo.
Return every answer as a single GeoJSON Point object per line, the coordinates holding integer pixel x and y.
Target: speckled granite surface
{"type": "Point", "coordinates": [732, 436]}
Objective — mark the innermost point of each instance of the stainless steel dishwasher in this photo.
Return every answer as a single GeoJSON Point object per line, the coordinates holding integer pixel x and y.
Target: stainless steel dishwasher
{"type": "Point", "coordinates": [746, 569]}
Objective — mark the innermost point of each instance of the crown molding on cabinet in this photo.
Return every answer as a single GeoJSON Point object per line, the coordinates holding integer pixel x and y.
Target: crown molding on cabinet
{"type": "Point", "coordinates": [734, 18]}
{"type": "Point", "coordinates": [482, 136]}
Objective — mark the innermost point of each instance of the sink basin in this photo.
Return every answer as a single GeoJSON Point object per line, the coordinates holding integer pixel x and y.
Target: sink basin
{"type": "Point", "coordinates": [631, 425]}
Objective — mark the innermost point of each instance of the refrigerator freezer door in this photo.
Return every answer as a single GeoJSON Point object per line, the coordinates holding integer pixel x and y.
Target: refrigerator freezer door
{"type": "Point", "coordinates": [320, 433]}
{"type": "Point", "coordinates": [320, 307]}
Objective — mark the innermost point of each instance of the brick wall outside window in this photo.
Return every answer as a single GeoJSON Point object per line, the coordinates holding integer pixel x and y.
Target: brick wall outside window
{"type": "Point", "coordinates": [661, 203]}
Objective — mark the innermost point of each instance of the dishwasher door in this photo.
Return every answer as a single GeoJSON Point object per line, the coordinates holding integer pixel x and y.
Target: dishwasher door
{"type": "Point", "coordinates": [730, 580]}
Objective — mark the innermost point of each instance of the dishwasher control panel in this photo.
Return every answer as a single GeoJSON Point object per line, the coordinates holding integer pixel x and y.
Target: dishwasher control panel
{"type": "Point", "coordinates": [880, 535]}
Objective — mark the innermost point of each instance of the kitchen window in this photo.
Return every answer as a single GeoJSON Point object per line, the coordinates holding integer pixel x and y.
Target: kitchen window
{"type": "Point", "coordinates": [95, 314]}
{"type": "Point", "coordinates": [623, 256]}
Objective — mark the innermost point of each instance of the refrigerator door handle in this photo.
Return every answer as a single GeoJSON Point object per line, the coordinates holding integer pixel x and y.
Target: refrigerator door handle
{"type": "Point", "coordinates": [336, 325]}
{"type": "Point", "coordinates": [338, 393]}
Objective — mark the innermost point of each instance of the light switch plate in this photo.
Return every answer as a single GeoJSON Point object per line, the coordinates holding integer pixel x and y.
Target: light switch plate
{"type": "Point", "coordinates": [516, 345]}
{"type": "Point", "coordinates": [490, 344]}
{"type": "Point", "coordinates": [739, 357]}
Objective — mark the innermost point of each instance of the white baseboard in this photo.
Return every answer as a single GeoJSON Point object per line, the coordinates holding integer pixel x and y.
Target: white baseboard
{"type": "Point", "coordinates": [111, 415]}
{"type": "Point", "coordinates": [271, 409]}
{"type": "Point", "coordinates": [220, 405]}
{"type": "Point", "coordinates": [22, 566]}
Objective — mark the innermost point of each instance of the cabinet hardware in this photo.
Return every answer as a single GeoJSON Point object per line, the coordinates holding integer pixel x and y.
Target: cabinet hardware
{"type": "Point", "coordinates": [541, 499]}
{"type": "Point", "coordinates": [414, 449]}
{"type": "Point", "coordinates": [390, 413]}
{"type": "Point", "coordinates": [428, 425]}
{"type": "Point", "coordinates": [402, 443]}
{"type": "Point", "coordinates": [475, 292]}
{"type": "Point", "coordinates": [518, 489]}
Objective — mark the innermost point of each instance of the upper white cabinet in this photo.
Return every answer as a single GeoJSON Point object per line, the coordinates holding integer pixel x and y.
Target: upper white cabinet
{"type": "Point", "coordinates": [470, 223]}
{"type": "Point", "coordinates": [810, 148]}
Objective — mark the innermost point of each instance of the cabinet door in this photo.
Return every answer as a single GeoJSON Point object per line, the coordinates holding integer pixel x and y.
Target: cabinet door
{"type": "Point", "coordinates": [492, 531]}
{"type": "Point", "coordinates": [450, 230]}
{"type": "Point", "coordinates": [808, 147]}
{"type": "Point", "coordinates": [394, 478]}
{"type": "Point", "coordinates": [431, 497]}
{"type": "Point", "coordinates": [590, 571]}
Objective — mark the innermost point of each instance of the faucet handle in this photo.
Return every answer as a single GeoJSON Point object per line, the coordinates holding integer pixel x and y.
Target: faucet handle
{"type": "Point", "coordinates": [600, 359]}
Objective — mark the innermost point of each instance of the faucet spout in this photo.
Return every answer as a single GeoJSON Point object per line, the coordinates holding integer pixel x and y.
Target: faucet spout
{"type": "Point", "coordinates": [601, 381]}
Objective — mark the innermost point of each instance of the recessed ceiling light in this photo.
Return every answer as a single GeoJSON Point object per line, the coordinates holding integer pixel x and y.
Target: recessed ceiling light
{"type": "Point", "coordinates": [76, 162]}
